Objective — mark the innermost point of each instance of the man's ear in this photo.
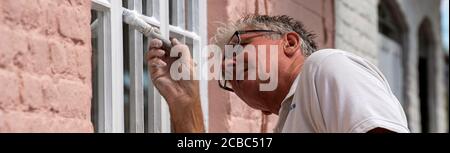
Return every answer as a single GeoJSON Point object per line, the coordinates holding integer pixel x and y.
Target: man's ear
{"type": "Point", "coordinates": [291, 43]}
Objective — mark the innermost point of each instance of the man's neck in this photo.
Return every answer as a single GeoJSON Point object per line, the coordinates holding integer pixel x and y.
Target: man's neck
{"type": "Point", "coordinates": [291, 74]}
{"type": "Point", "coordinates": [295, 68]}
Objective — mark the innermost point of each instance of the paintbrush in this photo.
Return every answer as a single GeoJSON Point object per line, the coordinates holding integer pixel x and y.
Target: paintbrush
{"type": "Point", "coordinates": [134, 20]}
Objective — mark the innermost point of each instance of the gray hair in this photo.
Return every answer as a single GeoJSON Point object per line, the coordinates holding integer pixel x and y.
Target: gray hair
{"type": "Point", "coordinates": [282, 24]}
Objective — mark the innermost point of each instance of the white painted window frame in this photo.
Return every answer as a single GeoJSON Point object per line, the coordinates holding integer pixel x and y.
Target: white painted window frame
{"type": "Point", "coordinates": [110, 91]}
{"type": "Point", "coordinates": [111, 114]}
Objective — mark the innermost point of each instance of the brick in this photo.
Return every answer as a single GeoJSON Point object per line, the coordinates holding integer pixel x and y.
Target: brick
{"type": "Point", "coordinates": [71, 57]}
{"type": "Point", "coordinates": [19, 122]}
{"type": "Point", "coordinates": [63, 60]}
{"type": "Point", "coordinates": [31, 16]}
{"type": "Point", "coordinates": [49, 92]}
{"type": "Point", "coordinates": [74, 99]}
{"type": "Point", "coordinates": [68, 25]}
{"type": "Point", "coordinates": [51, 26]}
{"type": "Point", "coordinates": [6, 51]}
{"type": "Point", "coordinates": [22, 13]}
{"type": "Point", "coordinates": [312, 5]}
{"type": "Point", "coordinates": [11, 11]}
{"type": "Point", "coordinates": [365, 31]}
{"type": "Point", "coordinates": [31, 92]}
{"type": "Point", "coordinates": [83, 19]}
{"type": "Point", "coordinates": [9, 90]}
{"type": "Point", "coordinates": [12, 53]}
{"type": "Point", "coordinates": [39, 55]}
{"type": "Point", "coordinates": [311, 14]}
{"type": "Point", "coordinates": [58, 57]}
{"type": "Point", "coordinates": [84, 67]}
{"type": "Point", "coordinates": [45, 66]}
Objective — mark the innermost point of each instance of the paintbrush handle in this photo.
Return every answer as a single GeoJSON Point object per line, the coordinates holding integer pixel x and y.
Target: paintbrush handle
{"type": "Point", "coordinates": [132, 18]}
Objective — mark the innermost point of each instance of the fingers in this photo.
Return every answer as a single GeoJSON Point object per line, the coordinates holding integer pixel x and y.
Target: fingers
{"type": "Point", "coordinates": [155, 43]}
{"type": "Point", "coordinates": [154, 53]}
{"type": "Point", "coordinates": [154, 58]}
{"type": "Point", "coordinates": [156, 62]}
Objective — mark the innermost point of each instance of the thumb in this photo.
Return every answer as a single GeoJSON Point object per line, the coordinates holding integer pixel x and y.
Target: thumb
{"type": "Point", "coordinates": [181, 48]}
{"type": "Point", "coordinates": [175, 41]}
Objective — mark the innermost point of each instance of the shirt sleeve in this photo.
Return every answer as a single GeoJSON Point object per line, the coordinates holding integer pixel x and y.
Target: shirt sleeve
{"type": "Point", "coordinates": [353, 96]}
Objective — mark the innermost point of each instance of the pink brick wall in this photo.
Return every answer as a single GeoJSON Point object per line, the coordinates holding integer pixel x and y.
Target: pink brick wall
{"type": "Point", "coordinates": [227, 113]}
{"type": "Point", "coordinates": [45, 66]}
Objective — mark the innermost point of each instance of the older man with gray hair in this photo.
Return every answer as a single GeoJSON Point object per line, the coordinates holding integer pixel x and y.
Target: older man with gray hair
{"type": "Point", "coordinates": [318, 90]}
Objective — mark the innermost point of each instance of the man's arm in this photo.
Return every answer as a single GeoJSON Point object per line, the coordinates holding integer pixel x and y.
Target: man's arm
{"type": "Point", "coordinates": [182, 96]}
{"type": "Point", "coordinates": [187, 116]}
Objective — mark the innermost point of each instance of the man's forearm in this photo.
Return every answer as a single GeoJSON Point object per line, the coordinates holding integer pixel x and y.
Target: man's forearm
{"type": "Point", "coordinates": [187, 117]}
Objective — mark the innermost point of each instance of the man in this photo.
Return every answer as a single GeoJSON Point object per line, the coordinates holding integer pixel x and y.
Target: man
{"type": "Point", "coordinates": [319, 91]}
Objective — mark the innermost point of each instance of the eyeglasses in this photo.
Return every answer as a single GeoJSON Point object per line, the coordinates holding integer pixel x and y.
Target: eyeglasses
{"type": "Point", "coordinates": [236, 40]}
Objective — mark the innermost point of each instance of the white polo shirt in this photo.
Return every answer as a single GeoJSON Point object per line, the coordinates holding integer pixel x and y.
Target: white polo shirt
{"type": "Point", "coordinates": [337, 91]}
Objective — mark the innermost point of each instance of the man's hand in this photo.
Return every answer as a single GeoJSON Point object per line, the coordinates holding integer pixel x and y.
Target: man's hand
{"type": "Point", "coordinates": [182, 95]}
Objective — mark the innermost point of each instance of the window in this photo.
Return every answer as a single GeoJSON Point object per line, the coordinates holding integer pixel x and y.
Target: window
{"type": "Point", "coordinates": [124, 99]}
{"type": "Point", "coordinates": [107, 76]}
{"type": "Point", "coordinates": [387, 24]}
{"type": "Point", "coordinates": [392, 29]}
{"type": "Point", "coordinates": [427, 78]}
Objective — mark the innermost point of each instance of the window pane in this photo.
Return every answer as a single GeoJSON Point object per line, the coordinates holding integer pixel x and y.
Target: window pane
{"type": "Point", "coordinates": [126, 77]}
{"type": "Point", "coordinates": [150, 8]}
{"type": "Point", "coordinates": [146, 79]}
{"type": "Point", "coordinates": [147, 8]}
{"type": "Point", "coordinates": [177, 16]}
{"type": "Point", "coordinates": [172, 12]}
{"type": "Point", "coordinates": [95, 27]}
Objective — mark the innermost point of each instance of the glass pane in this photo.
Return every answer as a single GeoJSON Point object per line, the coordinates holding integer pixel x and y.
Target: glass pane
{"type": "Point", "coordinates": [188, 15]}
{"type": "Point", "coordinates": [179, 37]}
{"type": "Point", "coordinates": [190, 43]}
{"type": "Point", "coordinates": [126, 73]}
{"type": "Point", "coordinates": [147, 8]}
{"type": "Point", "coordinates": [95, 46]}
{"type": "Point", "coordinates": [146, 79]}
{"type": "Point", "coordinates": [172, 12]}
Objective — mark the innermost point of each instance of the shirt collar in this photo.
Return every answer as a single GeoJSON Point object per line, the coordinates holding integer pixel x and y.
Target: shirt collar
{"type": "Point", "coordinates": [292, 89]}
{"type": "Point", "coordinates": [284, 109]}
